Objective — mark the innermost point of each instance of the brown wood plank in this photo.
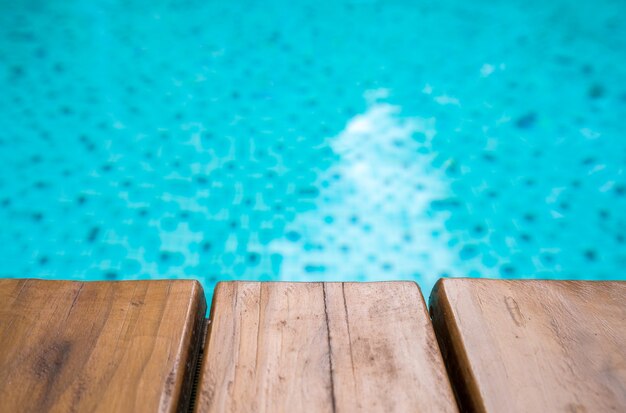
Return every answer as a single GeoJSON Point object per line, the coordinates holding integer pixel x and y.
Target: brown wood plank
{"type": "Point", "coordinates": [98, 346]}
{"type": "Point", "coordinates": [323, 347]}
{"type": "Point", "coordinates": [533, 346]}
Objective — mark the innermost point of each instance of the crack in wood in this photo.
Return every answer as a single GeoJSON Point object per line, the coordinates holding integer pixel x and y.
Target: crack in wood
{"type": "Point", "coordinates": [330, 357]}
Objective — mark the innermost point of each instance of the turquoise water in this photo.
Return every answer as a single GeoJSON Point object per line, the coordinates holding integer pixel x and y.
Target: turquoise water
{"type": "Point", "coordinates": [321, 140]}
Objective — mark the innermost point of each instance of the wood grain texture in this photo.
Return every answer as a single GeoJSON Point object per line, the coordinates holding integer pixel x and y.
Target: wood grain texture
{"type": "Point", "coordinates": [98, 346]}
{"type": "Point", "coordinates": [533, 346]}
{"type": "Point", "coordinates": [323, 347]}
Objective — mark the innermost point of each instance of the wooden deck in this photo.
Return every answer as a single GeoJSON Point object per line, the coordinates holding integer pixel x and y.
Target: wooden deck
{"type": "Point", "coordinates": [142, 346]}
{"type": "Point", "coordinates": [100, 346]}
{"type": "Point", "coordinates": [534, 346]}
{"type": "Point", "coordinates": [289, 347]}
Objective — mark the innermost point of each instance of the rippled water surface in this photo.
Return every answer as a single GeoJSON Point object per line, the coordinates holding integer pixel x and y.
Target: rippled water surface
{"type": "Point", "coordinates": [321, 140]}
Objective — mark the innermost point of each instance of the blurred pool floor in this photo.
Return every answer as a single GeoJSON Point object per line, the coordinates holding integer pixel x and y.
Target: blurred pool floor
{"type": "Point", "coordinates": [327, 140]}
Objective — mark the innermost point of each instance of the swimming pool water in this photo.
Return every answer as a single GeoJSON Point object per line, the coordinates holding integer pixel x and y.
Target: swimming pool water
{"type": "Point", "coordinates": [312, 140]}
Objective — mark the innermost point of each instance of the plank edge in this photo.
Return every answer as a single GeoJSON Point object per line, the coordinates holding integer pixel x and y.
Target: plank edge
{"type": "Point", "coordinates": [450, 341]}
{"type": "Point", "coordinates": [192, 345]}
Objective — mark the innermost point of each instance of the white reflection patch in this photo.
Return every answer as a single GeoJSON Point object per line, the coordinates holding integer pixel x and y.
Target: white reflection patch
{"type": "Point", "coordinates": [371, 219]}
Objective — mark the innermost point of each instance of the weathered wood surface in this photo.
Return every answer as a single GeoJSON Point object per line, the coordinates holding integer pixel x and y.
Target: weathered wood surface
{"type": "Point", "coordinates": [323, 347]}
{"type": "Point", "coordinates": [98, 346]}
{"type": "Point", "coordinates": [533, 346]}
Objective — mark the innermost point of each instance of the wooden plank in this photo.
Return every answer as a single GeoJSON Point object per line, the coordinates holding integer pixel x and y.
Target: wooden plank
{"type": "Point", "coordinates": [533, 346]}
{"type": "Point", "coordinates": [345, 347]}
{"type": "Point", "coordinates": [98, 346]}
